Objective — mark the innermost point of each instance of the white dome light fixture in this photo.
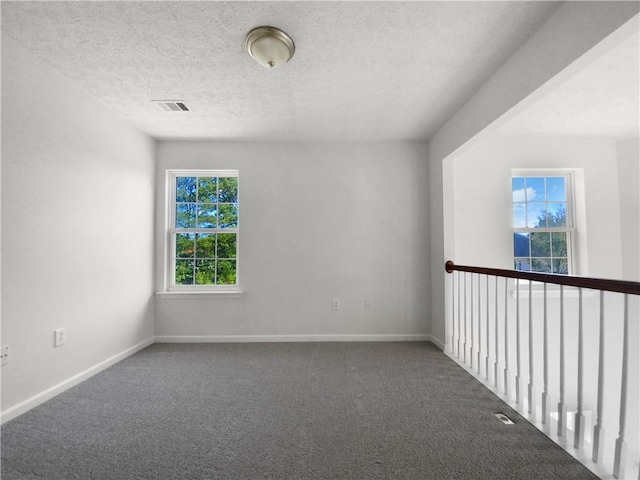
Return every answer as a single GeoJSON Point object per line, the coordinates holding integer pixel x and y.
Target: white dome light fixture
{"type": "Point", "coordinates": [269, 46]}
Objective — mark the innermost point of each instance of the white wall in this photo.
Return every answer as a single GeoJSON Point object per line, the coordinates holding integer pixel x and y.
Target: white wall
{"type": "Point", "coordinates": [628, 151]}
{"type": "Point", "coordinates": [570, 40]}
{"type": "Point", "coordinates": [77, 231]}
{"type": "Point", "coordinates": [482, 201]}
{"type": "Point", "coordinates": [318, 221]}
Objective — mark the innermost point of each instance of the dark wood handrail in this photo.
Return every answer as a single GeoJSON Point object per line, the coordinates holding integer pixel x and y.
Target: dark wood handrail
{"type": "Point", "coordinates": [620, 286]}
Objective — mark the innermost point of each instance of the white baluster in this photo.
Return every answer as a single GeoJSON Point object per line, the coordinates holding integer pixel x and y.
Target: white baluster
{"type": "Point", "coordinates": [464, 343]}
{"type": "Point", "coordinates": [507, 374]}
{"type": "Point", "coordinates": [479, 322]}
{"type": "Point", "coordinates": [518, 379]}
{"type": "Point", "coordinates": [578, 429]}
{"type": "Point", "coordinates": [459, 319]}
{"type": "Point", "coordinates": [496, 347]}
{"type": "Point", "coordinates": [546, 399]}
{"type": "Point", "coordinates": [486, 356]}
{"type": "Point", "coordinates": [531, 390]}
{"type": "Point", "coordinates": [620, 457]}
{"type": "Point", "coordinates": [562, 422]}
{"type": "Point", "coordinates": [471, 307]}
{"type": "Point", "coordinates": [453, 310]}
{"type": "Point", "coordinates": [598, 431]}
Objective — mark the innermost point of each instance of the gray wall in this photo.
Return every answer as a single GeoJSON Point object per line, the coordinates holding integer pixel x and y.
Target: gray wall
{"type": "Point", "coordinates": [482, 219]}
{"type": "Point", "coordinates": [628, 153]}
{"type": "Point", "coordinates": [77, 231]}
{"type": "Point", "coordinates": [318, 221]}
{"type": "Point", "coordinates": [569, 41]}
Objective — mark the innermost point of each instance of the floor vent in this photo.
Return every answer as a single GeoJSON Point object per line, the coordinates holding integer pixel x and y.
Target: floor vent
{"type": "Point", "coordinates": [503, 418]}
{"type": "Point", "coordinates": [171, 105]}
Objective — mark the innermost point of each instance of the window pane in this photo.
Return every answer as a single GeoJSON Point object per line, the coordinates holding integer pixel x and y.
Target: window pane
{"type": "Point", "coordinates": [185, 245]}
{"type": "Point", "coordinates": [556, 215]}
{"type": "Point", "coordinates": [226, 272]}
{"type": "Point", "coordinates": [519, 212]}
{"type": "Point", "coordinates": [541, 265]}
{"type": "Point", "coordinates": [185, 189]}
{"type": "Point", "coordinates": [228, 190]}
{"type": "Point", "coordinates": [184, 272]}
{"type": "Point", "coordinates": [535, 189]}
{"type": "Point", "coordinates": [559, 244]}
{"type": "Point", "coordinates": [540, 203]}
{"type": "Point", "coordinates": [522, 264]}
{"type": "Point", "coordinates": [517, 189]}
{"type": "Point", "coordinates": [561, 265]}
{"type": "Point", "coordinates": [226, 245]}
{"type": "Point", "coordinates": [185, 215]}
{"type": "Point", "coordinates": [556, 189]}
{"type": "Point", "coordinates": [207, 190]}
{"type": "Point", "coordinates": [541, 244]}
{"type": "Point", "coordinates": [205, 245]}
{"type": "Point", "coordinates": [203, 207]}
{"type": "Point", "coordinates": [536, 215]}
{"type": "Point", "coordinates": [521, 245]}
{"type": "Point", "coordinates": [227, 216]}
{"type": "Point", "coordinates": [205, 272]}
{"type": "Point", "coordinates": [207, 215]}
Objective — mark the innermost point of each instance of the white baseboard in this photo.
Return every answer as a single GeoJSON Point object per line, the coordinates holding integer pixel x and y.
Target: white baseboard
{"type": "Point", "coordinates": [32, 402]}
{"type": "Point", "coordinates": [437, 342]}
{"type": "Point", "coordinates": [292, 338]}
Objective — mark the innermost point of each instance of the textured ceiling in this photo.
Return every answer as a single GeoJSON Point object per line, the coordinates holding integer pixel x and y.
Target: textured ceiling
{"type": "Point", "coordinates": [361, 71]}
{"type": "Point", "coordinates": [603, 100]}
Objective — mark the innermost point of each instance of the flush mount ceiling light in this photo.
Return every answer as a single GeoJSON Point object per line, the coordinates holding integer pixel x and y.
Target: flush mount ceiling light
{"type": "Point", "coordinates": [269, 46]}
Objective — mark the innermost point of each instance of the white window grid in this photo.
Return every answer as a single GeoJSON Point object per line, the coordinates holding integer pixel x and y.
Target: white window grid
{"type": "Point", "coordinates": [569, 229]}
{"type": "Point", "coordinates": [173, 231]}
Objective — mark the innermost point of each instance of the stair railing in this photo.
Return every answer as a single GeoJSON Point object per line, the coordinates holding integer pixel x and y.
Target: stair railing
{"type": "Point", "coordinates": [474, 331]}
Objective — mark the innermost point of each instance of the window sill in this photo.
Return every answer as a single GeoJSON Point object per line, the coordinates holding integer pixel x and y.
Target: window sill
{"type": "Point", "coordinates": [199, 295]}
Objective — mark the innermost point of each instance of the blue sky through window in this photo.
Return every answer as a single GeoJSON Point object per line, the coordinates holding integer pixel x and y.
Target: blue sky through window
{"type": "Point", "coordinates": [535, 197]}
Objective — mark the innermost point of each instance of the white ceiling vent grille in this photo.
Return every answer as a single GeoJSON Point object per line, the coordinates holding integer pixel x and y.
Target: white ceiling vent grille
{"type": "Point", "coordinates": [172, 105]}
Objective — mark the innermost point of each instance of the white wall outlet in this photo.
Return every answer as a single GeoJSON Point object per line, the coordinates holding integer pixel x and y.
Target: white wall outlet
{"type": "Point", "coordinates": [367, 305]}
{"type": "Point", "coordinates": [335, 304]}
{"type": "Point", "coordinates": [4, 355]}
{"type": "Point", "coordinates": [59, 337]}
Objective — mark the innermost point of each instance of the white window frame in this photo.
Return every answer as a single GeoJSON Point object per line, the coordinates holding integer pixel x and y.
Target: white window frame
{"type": "Point", "coordinates": [170, 239]}
{"type": "Point", "coordinates": [570, 212]}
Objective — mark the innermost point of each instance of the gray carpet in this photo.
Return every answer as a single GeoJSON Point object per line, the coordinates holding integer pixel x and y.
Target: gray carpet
{"type": "Point", "coordinates": [280, 411]}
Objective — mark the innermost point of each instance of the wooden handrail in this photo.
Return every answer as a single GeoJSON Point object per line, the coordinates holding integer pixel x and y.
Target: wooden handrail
{"type": "Point", "coordinates": [619, 286]}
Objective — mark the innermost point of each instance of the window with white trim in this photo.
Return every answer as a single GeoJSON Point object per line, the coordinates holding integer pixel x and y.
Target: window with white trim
{"type": "Point", "coordinates": [543, 221]}
{"type": "Point", "coordinates": [203, 230]}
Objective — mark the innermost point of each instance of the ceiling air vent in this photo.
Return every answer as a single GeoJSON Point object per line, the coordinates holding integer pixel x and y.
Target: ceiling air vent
{"type": "Point", "coordinates": [171, 105]}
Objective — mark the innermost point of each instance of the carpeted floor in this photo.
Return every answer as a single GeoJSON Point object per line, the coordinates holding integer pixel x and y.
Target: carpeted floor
{"type": "Point", "coordinates": [280, 411]}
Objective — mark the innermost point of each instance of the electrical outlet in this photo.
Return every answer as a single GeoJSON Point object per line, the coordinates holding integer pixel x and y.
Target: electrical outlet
{"type": "Point", "coordinates": [4, 355]}
{"type": "Point", "coordinates": [59, 337]}
{"type": "Point", "coordinates": [367, 305]}
{"type": "Point", "coordinates": [335, 304]}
